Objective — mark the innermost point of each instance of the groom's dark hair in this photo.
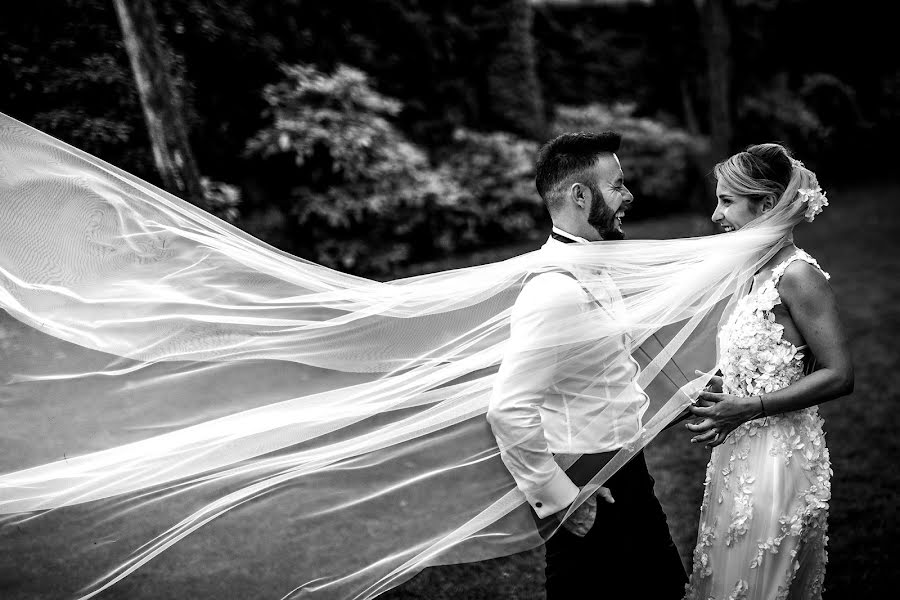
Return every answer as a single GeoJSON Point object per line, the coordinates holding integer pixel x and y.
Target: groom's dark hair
{"type": "Point", "coordinates": [568, 155]}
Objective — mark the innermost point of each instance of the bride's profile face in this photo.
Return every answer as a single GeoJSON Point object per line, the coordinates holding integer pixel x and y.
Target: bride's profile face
{"type": "Point", "coordinates": [733, 211]}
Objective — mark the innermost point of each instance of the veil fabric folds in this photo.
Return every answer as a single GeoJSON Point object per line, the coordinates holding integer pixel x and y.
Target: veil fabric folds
{"type": "Point", "coordinates": [190, 412]}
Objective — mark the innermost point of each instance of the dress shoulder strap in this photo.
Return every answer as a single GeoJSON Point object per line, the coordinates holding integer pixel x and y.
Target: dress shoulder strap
{"type": "Point", "coordinates": [779, 270]}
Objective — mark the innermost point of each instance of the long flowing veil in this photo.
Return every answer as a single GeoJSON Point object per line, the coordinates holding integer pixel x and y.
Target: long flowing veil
{"type": "Point", "coordinates": [190, 412]}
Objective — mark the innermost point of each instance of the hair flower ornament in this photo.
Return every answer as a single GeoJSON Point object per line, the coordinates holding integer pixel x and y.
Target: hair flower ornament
{"type": "Point", "coordinates": [815, 200]}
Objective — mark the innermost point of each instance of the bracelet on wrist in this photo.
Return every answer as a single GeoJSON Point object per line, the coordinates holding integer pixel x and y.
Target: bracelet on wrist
{"type": "Point", "coordinates": [762, 406]}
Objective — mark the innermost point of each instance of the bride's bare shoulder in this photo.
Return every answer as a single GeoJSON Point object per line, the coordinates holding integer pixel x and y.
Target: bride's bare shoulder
{"type": "Point", "coordinates": [804, 282]}
{"type": "Point", "coordinates": [777, 260]}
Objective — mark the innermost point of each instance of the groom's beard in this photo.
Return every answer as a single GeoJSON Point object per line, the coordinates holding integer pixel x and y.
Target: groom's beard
{"type": "Point", "coordinates": [603, 218]}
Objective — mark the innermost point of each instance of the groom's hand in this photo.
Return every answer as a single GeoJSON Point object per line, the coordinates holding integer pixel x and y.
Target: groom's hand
{"type": "Point", "coordinates": [582, 519]}
{"type": "Point", "coordinates": [584, 516]}
{"type": "Point", "coordinates": [720, 414]}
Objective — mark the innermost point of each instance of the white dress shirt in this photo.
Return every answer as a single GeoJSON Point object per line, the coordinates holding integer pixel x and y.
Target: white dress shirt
{"type": "Point", "coordinates": [578, 399]}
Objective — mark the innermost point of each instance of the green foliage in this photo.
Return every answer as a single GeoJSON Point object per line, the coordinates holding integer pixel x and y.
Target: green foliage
{"type": "Point", "coordinates": [221, 199]}
{"type": "Point", "coordinates": [617, 51]}
{"type": "Point", "coordinates": [364, 196]}
{"type": "Point", "coordinates": [815, 117]}
{"type": "Point", "coordinates": [63, 70]}
{"type": "Point", "coordinates": [340, 114]}
{"type": "Point", "coordinates": [226, 56]}
{"type": "Point", "coordinates": [777, 112]}
{"type": "Point", "coordinates": [659, 160]}
{"type": "Point", "coordinates": [454, 68]}
{"type": "Point", "coordinates": [497, 171]}
{"type": "Point", "coordinates": [452, 64]}
{"type": "Point", "coordinates": [513, 91]}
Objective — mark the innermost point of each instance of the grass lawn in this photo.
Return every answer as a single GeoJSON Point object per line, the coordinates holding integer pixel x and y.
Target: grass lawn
{"type": "Point", "coordinates": [857, 240]}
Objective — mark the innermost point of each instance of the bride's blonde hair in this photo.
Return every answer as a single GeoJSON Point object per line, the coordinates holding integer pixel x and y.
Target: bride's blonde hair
{"type": "Point", "coordinates": [769, 170]}
{"type": "Point", "coordinates": [760, 171]}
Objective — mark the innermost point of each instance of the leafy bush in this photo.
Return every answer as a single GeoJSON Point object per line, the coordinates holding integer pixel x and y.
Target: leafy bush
{"type": "Point", "coordinates": [658, 159]}
{"type": "Point", "coordinates": [364, 196]}
{"type": "Point", "coordinates": [816, 118]}
{"type": "Point", "coordinates": [779, 113]}
{"type": "Point", "coordinates": [513, 96]}
{"type": "Point", "coordinates": [497, 171]}
{"type": "Point", "coordinates": [221, 199]}
{"type": "Point", "coordinates": [67, 74]}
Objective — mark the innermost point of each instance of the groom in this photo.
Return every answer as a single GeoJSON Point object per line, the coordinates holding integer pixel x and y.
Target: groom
{"type": "Point", "coordinates": [550, 402]}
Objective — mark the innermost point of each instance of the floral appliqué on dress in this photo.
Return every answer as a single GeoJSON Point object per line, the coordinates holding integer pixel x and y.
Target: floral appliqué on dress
{"type": "Point", "coordinates": [764, 516]}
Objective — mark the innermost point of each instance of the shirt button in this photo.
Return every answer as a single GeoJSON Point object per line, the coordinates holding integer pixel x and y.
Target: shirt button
{"type": "Point", "coordinates": [539, 504]}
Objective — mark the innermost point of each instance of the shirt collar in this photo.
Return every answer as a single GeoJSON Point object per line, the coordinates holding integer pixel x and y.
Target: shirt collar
{"type": "Point", "coordinates": [568, 235]}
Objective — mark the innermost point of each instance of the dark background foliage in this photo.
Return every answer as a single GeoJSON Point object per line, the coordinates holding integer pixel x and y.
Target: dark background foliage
{"type": "Point", "coordinates": [808, 73]}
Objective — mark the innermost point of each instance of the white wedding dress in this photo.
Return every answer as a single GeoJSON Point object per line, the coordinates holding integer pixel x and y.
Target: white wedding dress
{"type": "Point", "coordinates": [763, 521]}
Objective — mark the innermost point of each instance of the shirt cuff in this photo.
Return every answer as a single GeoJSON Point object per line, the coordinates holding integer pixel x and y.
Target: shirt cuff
{"type": "Point", "coordinates": [555, 495]}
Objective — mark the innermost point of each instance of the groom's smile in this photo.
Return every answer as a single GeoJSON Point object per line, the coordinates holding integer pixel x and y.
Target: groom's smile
{"type": "Point", "coordinates": [612, 199]}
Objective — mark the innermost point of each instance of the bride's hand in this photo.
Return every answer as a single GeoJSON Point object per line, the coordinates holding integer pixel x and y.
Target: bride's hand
{"type": "Point", "coordinates": [720, 415]}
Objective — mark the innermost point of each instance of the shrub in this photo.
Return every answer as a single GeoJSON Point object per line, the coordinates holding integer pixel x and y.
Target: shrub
{"type": "Point", "coordinates": [221, 199]}
{"type": "Point", "coordinates": [817, 117]}
{"type": "Point", "coordinates": [497, 171]}
{"type": "Point", "coordinates": [363, 197]}
{"type": "Point", "coordinates": [779, 113]}
{"type": "Point", "coordinates": [659, 160]}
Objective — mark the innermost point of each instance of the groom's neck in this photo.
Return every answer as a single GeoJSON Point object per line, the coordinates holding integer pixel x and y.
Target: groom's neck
{"type": "Point", "coordinates": [586, 232]}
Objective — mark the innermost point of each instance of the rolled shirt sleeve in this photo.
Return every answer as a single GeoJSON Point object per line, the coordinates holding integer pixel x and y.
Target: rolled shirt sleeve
{"type": "Point", "coordinates": [547, 307]}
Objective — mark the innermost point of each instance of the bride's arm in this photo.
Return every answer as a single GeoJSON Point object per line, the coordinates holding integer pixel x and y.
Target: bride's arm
{"type": "Point", "coordinates": [810, 300]}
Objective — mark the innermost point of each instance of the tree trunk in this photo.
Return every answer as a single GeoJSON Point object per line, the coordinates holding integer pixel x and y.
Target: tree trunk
{"type": "Point", "coordinates": [717, 32]}
{"type": "Point", "coordinates": [691, 122]}
{"type": "Point", "coordinates": [162, 109]}
{"type": "Point", "coordinates": [514, 94]}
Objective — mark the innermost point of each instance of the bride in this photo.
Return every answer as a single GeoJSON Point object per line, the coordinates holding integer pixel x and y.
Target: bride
{"type": "Point", "coordinates": [763, 520]}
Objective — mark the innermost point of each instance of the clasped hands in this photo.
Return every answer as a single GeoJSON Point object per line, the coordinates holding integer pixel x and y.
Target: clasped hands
{"type": "Point", "coordinates": [581, 521]}
{"type": "Point", "coordinates": [719, 413]}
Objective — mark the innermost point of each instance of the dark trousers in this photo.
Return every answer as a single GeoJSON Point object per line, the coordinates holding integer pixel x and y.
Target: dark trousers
{"type": "Point", "coordinates": [628, 553]}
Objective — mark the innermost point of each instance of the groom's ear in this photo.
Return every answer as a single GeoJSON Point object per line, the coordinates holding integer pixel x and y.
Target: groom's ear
{"type": "Point", "coordinates": [580, 194]}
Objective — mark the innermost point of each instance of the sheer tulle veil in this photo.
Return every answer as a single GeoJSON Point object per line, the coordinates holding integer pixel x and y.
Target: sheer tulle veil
{"type": "Point", "coordinates": [190, 412]}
